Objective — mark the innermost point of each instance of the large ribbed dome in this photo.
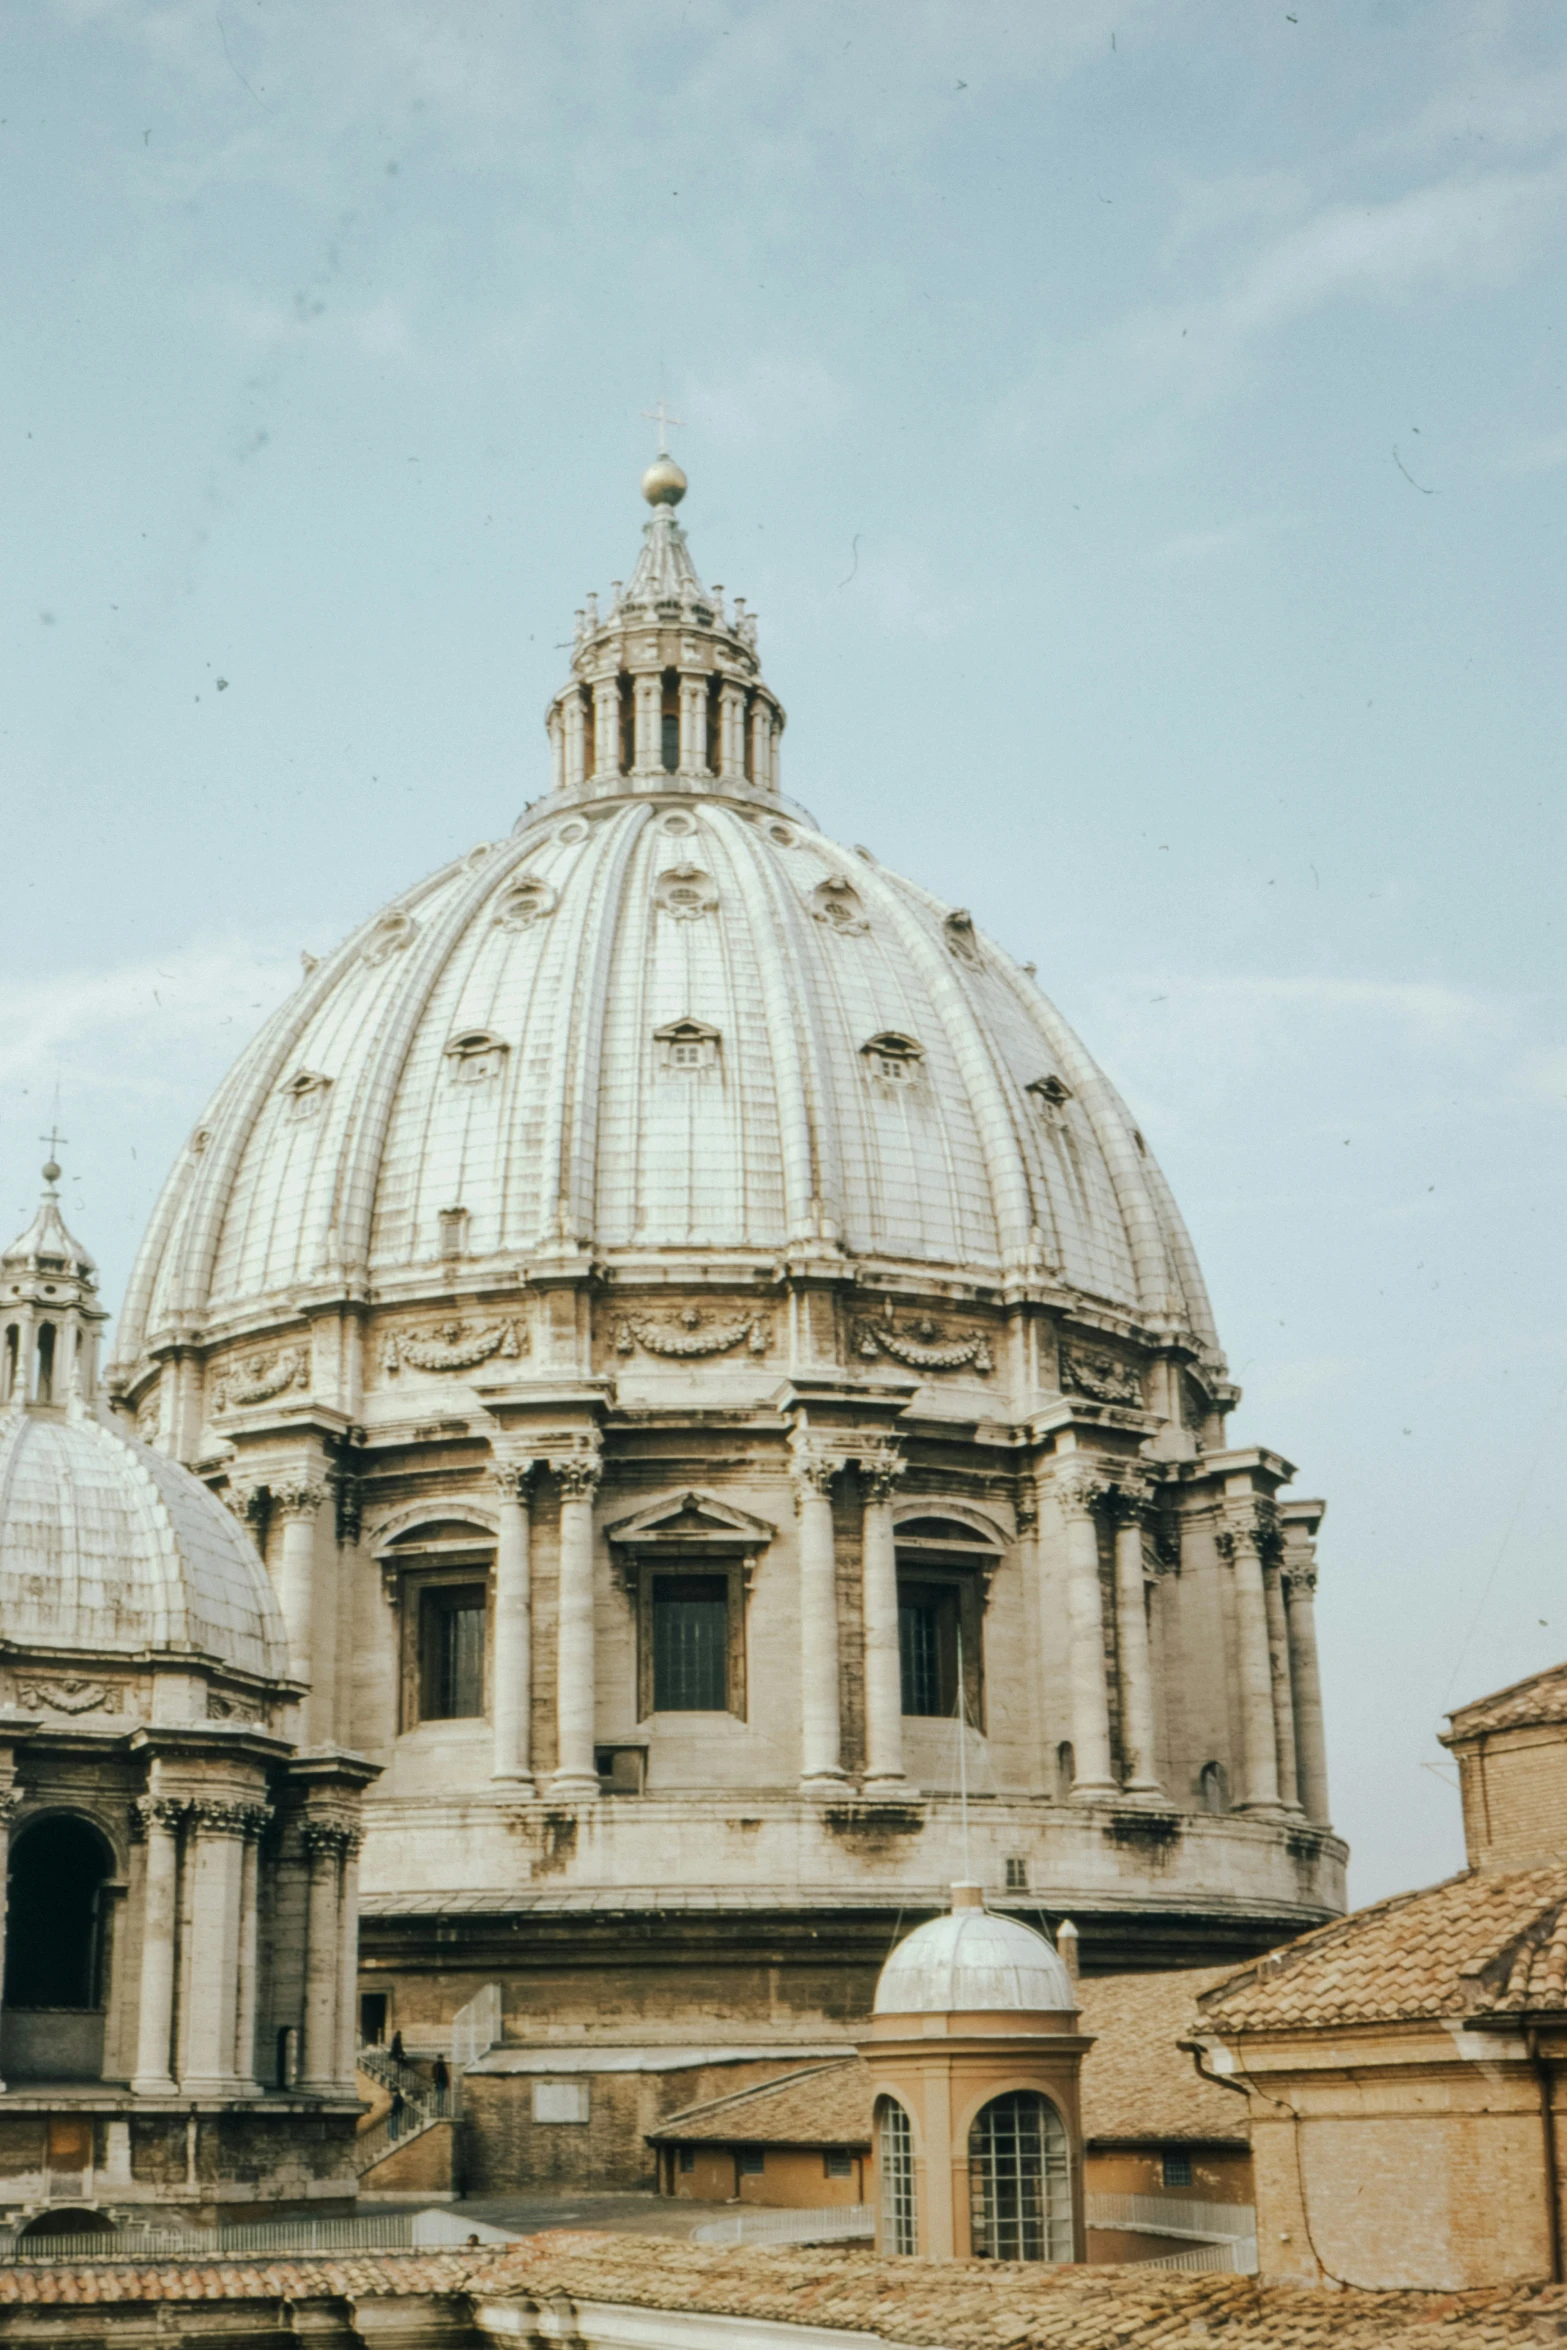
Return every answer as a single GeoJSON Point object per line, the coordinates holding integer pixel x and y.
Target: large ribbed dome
{"type": "Point", "coordinates": [110, 1547]}
{"type": "Point", "coordinates": [655, 1027]}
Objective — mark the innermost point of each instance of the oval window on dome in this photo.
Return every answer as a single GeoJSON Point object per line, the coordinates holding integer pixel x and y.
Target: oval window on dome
{"type": "Point", "coordinates": [685, 893]}
{"type": "Point", "coordinates": [838, 904]}
{"type": "Point", "coordinates": [391, 934]}
{"type": "Point", "coordinates": [524, 902]}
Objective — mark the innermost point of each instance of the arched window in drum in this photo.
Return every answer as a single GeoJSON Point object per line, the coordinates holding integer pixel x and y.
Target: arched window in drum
{"type": "Point", "coordinates": [1020, 2180]}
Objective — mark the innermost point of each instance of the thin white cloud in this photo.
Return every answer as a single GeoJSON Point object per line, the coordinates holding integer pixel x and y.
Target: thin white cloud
{"type": "Point", "coordinates": [136, 1029]}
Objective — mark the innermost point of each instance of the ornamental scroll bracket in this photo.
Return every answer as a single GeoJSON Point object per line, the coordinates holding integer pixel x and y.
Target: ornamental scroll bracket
{"type": "Point", "coordinates": [452, 1346]}
{"type": "Point", "coordinates": [926, 1350]}
{"type": "Point", "coordinates": [690, 1336]}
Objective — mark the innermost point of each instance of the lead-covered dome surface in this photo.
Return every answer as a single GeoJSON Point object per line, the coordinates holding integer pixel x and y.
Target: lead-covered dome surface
{"type": "Point", "coordinates": [664, 1024]}
{"type": "Point", "coordinates": [969, 1962]}
{"type": "Point", "coordinates": [107, 1545]}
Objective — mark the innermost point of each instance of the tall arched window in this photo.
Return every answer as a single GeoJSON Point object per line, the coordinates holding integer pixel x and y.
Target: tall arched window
{"type": "Point", "coordinates": [895, 2163]}
{"type": "Point", "coordinates": [53, 1919]}
{"type": "Point", "coordinates": [1020, 2180]}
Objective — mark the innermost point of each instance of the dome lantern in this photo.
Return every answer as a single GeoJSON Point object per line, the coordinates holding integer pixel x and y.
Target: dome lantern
{"type": "Point", "coordinates": [50, 1317]}
{"type": "Point", "coordinates": [666, 692]}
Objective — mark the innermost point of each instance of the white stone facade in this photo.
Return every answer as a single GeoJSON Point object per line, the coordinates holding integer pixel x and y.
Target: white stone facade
{"type": "Point", "coordinates": [664, 1192]}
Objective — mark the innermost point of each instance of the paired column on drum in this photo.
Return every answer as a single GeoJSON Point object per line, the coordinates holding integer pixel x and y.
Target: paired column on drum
{"type": "Point", "coordinates": [880, 1470]}
{"type": "Point", "coordinates": [512, 1683]}
{"type": "Point", "coordinates": [1246, 1539]}
{"type": "Point", "coordinates": [1298, 1576]}
{"type": "Point", "coordinates": [813, 1471]}
{"type": "Point", "coordinates": [576, 1774]}
{"type": "Point", "coordinates": [331, 1932]}
{"type": "Point", "coordinates": [298, 1505]}
{"type": "Point", "coordinates": [157, 1820]}
{"type": "Point", "coordinates": [1129, 1506]}
{"type": "Point", "coordinates": [215, 1834]}
{"type": "Point", "coordinates": [1078, 1491]}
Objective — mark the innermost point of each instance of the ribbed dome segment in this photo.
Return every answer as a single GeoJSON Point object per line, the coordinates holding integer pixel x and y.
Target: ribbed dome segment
{"type": "Point", "coordinates": [664, 1025]}
{"type": "Point", "coordinates": [107, 1545]}
{"type": "Point", "coordinates": [973, 1962]}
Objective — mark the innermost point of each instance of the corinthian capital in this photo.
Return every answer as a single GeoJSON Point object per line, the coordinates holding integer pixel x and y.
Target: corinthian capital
{"type": "Point", "coordinates": [327, 1839]}
{"type": "Point", "coordinates": [221, 1819]}
{"type": "Point", "coordinates": [1078, 1489]}
{"type": "Point", "coordinates": [812, 1468]}
{"type": "Point", "coordinates": [1130, 1499]}
{"type": "Point", "coordinates": [580, 1470]}
{"type": "Point", "coordinates": [513, 1479]}
{"type": "Point", "coordinates": [297, 1498]}
{"type": "Point", "coordinates": [1249, 1528]}
{"type": "Point", "coordinates": [156, 1811]}
{"type": "Point", "coordinates": [881, 1466]}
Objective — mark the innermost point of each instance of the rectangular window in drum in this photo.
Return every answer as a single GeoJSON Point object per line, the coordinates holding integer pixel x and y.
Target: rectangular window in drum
{"type": "Point", "coordinates": [919, 1654]}
{"type": "Point", "coordinates": [690, 1644]}
{"type": "Point", "coordinates": [451, 1652]}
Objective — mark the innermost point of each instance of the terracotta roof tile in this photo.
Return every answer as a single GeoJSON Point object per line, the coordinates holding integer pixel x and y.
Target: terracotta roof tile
{"type": "Point", "coordinates": [1138, 2083]}
{"type": "Point", "coordinates": [823, 2105]}
{"type": "Point", "coordinates": [1478, 1943]}
{"type": "Point", "coordinates": [1542, 1698]}
{"type": "Point", "coordinates": [924, 2305]}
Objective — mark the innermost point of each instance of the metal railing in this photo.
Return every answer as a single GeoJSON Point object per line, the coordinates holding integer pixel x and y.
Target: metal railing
{"type": "Point", "coordinates": [423, 2104]}
{"type": "Point", "coordinates": [1173, 2215]}
{"type": "Point", "coordinates": [391, 2231]}
{"type": "Point", "coordinates": [1227, 2259]}
{"type": "Point", "coordinates": [827, 2226]}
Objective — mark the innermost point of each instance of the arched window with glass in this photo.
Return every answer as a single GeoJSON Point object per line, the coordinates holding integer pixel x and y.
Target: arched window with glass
{"type": "Point", "coordinates": [1020, 2180]}
{"type": "Point", "coordinates": [895, 2171]}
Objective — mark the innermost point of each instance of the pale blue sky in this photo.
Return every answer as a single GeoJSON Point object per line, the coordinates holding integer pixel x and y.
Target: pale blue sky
{"type": "Point", "coordinates": [1141, 430]}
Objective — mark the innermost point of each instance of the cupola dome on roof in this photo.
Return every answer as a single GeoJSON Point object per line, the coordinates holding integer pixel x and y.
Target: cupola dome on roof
{"type": "Point", "coordinates": [973, 1962]}
{"type": "Point", "coordinates": [109, 1547]}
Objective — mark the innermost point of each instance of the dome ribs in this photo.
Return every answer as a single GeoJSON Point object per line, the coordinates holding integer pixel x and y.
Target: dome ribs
{"type": "Point", "coordinates": [358, 1172]}
{"type": "Point", "coordinates": [571, 1138]}
{"type": "Point", "coordinates": [1011, 1204]}
{"type": "Point", "coordinates": [813, 1181]}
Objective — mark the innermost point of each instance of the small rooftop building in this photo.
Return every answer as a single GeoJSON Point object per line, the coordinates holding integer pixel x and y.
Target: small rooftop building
{"type": "Point", "coordinates": [1405, 2065]}
{"type": "Point", "coordinates": [974, 2056]}
{"type": "Point", "coordinates": [178, 1942]}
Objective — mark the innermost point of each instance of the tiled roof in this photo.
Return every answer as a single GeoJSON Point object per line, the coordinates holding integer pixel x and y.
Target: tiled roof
{"type": "Point", "coordinates": [1138, 2084]}
{"type": "Point", "coordinates": [828, 2105]}
{"type": "Point", "coordinates": [1542, 1698]}
{"type": "Point", "coordinates": [925, 2305]}
{"type": "Point", "coordinates": [1474, 1945]}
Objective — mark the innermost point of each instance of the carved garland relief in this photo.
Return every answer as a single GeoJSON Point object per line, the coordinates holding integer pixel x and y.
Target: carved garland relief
{"type": "Point", "coordinates": [452, 1346]}
{"type": "Point", "coordinates": [690, 1335]}
{"type": "Point", "coordinates": [926, 1350]}
{"type": "Point", "coordinates": [1103, 1378]}
{"type": "Point", "coordinates": [256, 1378]}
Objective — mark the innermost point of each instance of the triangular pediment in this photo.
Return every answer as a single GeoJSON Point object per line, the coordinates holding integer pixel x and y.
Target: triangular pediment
{"type": "Point", "coordinates": [692, 1516]}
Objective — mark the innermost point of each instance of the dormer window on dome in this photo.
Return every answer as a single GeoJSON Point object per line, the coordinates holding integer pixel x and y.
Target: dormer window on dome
{"type": "Point", "coordinates": [892, 1057]}
{"type": "Point", "coordinates": [687, 1045]}
{"type": "Point", "coordinates": [305, 1092]}
{"type": "Point", "coordinates": [476, 1056]}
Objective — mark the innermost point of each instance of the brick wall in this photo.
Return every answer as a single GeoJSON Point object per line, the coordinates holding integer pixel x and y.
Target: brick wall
{"type": "Point", "coordinates": [1514, 1788]}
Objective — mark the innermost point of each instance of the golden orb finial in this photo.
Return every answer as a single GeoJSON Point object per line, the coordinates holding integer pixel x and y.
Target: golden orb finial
{"type": "Point", "coordinates": [664, 484]}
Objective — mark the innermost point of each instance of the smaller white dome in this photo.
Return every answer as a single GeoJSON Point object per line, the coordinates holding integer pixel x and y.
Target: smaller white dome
{"type": "Point", "coordinates": [972, 1960]}
{"type": "Point", "coordinates": [108, 1546]}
